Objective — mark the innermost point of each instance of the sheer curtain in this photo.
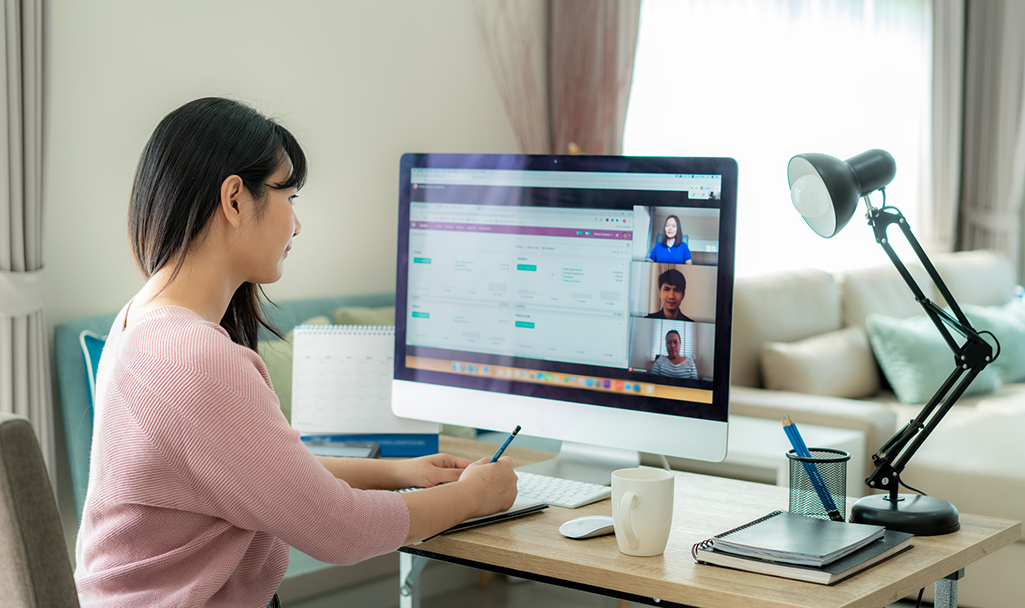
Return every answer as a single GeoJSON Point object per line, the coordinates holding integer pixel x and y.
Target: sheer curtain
{"type": "Point", "coordinates": [993, 181]}
{"type": "Point", "coordinates": [24, 362]}
{"type": "Point", "coordinates": [563, 70]}
{"type": "Point", "coordinates": [763, 80]}
{"type": "Point", "coordinates": [591, 50]}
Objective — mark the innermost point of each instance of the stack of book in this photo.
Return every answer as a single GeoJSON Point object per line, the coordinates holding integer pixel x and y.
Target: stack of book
{"type": "Point", "coordinates": [803, 548]}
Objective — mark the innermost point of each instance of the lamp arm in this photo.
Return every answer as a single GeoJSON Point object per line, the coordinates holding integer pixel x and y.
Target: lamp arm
{"type": "Point", "coordinates": [969, 359]}
{"type": "Point", "coordinates": [880, 218]}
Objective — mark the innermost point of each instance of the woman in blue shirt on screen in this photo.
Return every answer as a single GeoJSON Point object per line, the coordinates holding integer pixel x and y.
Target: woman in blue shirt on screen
{"type": "Point", "coordinates": [671, 249]}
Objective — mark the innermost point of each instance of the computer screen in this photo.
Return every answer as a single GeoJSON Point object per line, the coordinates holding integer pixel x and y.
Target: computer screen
{"type": "Point", "coordinates": [585, 298]}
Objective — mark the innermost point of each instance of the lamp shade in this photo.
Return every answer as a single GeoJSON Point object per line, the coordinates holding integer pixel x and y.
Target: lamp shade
{"type": "Point", "coordinates": [825, 190]}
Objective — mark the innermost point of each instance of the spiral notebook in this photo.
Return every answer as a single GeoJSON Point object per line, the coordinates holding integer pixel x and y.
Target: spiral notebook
{"type": "Point", "coordinates": [341, 389]}
{"type": "Point", "coordinates": [782, 536]}
{"type": "Point", "coordinates": [871, 554]}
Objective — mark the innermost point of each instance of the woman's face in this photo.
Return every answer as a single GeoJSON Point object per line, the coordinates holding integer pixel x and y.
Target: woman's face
{"type": "Point", "coordinates": [269, 234]}
{"type": "Point", "coordinates": [673, 345]}
{"type": "Point", "coordinates": [670, 228]}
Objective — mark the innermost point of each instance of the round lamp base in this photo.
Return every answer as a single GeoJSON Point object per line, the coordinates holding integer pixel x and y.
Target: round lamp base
{"type": "Point", "coordinates": [914, 513]}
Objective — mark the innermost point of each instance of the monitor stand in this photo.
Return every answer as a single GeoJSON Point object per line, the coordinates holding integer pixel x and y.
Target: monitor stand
{"type": "Point", "coordinates": [584, 462]}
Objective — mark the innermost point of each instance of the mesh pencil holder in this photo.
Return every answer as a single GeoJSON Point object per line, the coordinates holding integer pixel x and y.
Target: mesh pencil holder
{"type": "Point", "coordinates": [805, 495]}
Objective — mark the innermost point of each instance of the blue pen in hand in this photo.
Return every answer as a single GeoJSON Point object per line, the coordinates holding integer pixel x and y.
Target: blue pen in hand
{"type": "Point", "coordinates": [801, 449]}
{"type": "Point", "coordinates": [508, 440]}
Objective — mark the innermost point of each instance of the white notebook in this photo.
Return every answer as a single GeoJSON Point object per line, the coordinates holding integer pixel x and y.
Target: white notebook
{"type": "Point", "coordinates": [341, 381]}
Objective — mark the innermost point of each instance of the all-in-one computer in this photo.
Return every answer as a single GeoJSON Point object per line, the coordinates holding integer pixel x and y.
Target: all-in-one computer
{"type": "Point", "coordinates": [586, 298]}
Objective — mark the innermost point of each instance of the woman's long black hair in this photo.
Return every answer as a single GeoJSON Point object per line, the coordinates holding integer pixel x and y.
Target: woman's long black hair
{"type": "Point", "coordinates": [177, 189]}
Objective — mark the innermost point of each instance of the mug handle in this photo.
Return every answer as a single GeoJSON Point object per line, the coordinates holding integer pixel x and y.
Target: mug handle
{"type": "Point", "coordinates": [626, 504]}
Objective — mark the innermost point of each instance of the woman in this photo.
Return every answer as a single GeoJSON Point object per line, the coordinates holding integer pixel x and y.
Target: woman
{"type": "Point", "coordinates": [674, 364]}
{"type": "Point", "coordinates": [197, 484]}
{"type": "Point", "coordinates": [671, 249]}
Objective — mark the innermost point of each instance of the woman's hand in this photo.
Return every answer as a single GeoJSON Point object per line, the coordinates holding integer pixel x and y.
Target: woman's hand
{"type": "Point", "coordinates": [495, 483]}
{"type": "Point", "coordinates": [428, 471]}
{"type": "Point", "coordinates": [482, 488]}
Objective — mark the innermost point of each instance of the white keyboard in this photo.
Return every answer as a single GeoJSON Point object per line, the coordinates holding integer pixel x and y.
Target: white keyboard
{"type": "Point", "coordinates": [560, 492]}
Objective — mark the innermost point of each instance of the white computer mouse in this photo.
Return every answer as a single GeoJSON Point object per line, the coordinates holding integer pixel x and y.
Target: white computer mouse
{"type": "Point", "coordinates": [588, 526]}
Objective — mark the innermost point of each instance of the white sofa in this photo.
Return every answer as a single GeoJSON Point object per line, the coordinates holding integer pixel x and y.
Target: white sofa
{"type": "Point", "coordinates": [805, 332]}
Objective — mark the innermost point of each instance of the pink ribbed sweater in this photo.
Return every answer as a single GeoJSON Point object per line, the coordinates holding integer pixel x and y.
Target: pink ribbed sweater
{"type": "Point", "coordinates": [197, 484]}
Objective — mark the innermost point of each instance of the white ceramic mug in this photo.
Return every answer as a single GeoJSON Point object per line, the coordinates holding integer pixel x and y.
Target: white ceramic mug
{"type": "Point", "coordinates": [642, 510]}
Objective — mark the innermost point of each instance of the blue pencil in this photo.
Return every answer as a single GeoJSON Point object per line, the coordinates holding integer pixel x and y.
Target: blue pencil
{"type": "Point", "coordinates": [508, 440]}
{"type": "Point", "coordinates": [813, 472]}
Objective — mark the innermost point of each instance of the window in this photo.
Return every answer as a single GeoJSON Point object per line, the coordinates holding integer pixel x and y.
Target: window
{"type": "Point", "coordinates": [761, 81]}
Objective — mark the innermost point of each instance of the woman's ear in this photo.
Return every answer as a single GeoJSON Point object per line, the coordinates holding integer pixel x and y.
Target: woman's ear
{"type": "Point", "coordinates": [232, 191]}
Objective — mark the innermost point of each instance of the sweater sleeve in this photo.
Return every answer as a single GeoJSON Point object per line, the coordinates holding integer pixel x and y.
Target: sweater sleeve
{"type": "Point", "coordinates": [206, 405]}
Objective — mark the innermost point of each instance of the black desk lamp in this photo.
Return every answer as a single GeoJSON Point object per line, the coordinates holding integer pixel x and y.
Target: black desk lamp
{"type": "Point", "coordinates": [825, 190]}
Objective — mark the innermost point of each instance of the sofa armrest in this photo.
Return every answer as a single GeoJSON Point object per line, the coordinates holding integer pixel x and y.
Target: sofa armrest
{"type": "Point", "coordinates": [875, 420]}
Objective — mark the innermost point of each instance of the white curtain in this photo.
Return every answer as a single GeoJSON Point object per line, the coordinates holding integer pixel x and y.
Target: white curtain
{"type": "Point", "coordinates": [941, 187]}
{"type": "Point", "coordinates": [763, 80]}
{"type": "Point", "coordinates": [993, 178]}
{"type": "Point", "coordinates": [24, 361]}
{"type": "Point", "coordinates": [512, 36]}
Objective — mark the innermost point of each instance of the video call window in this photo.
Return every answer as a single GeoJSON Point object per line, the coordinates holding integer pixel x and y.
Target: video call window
{"type": "Point", "coordinates": [673, 349]}
{"type": "Point", "coordinates": [676, 235]}
{"type": "Point", "coordinates": [533, 287]}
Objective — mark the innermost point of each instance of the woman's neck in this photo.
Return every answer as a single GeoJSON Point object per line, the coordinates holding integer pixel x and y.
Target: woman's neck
{"type": "Point", "coordinates": [201, 288]}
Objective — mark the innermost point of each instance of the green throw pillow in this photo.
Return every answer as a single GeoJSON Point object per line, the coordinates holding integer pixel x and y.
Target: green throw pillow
{"type": "Point", "coordinates": [916, 359]}
{"type": "Point", "coordinates": [1007, 323]}
{"type": "Point", "coordinates": [362, 315]}
{"type": "Point", "coordinates": [277, 356]}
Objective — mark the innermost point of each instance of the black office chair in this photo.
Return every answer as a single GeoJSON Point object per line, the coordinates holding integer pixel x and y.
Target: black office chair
{"type": "Point", "coordinates": [35, 571]}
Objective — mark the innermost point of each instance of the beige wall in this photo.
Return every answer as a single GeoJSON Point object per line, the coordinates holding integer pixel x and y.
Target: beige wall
{"type": "Point", "coordinates": [358, 82]}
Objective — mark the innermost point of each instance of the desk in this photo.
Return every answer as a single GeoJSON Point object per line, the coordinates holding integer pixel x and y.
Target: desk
{"type": "Point", "coordinates": [531, 547]}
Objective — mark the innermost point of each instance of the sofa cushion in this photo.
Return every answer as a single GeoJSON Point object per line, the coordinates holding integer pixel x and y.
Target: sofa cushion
{"type": "Point", "coordinates": [1007, 323]}
{"type": "Point", "coordinates": [92, 349]}
{"type": "Point", "coordinates": [916, 359]}
{"type": "Point", "coordinates": [779, 308]}
{"type": "Point", "coordinates": [974, 461]}
{"type": "Point", "coordinates": [881, 289]}
{"type": "Point", "coordinates": [982, 278]}
{"type": "Point", "coordinates": [836, 364]}
{"type": "Point", "coordinates": [364, 315]}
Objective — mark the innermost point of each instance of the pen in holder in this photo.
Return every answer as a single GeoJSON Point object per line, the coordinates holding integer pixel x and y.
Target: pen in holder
{"type": "Point", "coordinates": [807, 494]}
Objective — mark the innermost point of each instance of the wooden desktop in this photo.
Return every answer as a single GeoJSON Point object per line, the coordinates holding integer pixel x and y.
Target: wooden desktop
{"type": "Point", "coordinates": [531, 547]}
